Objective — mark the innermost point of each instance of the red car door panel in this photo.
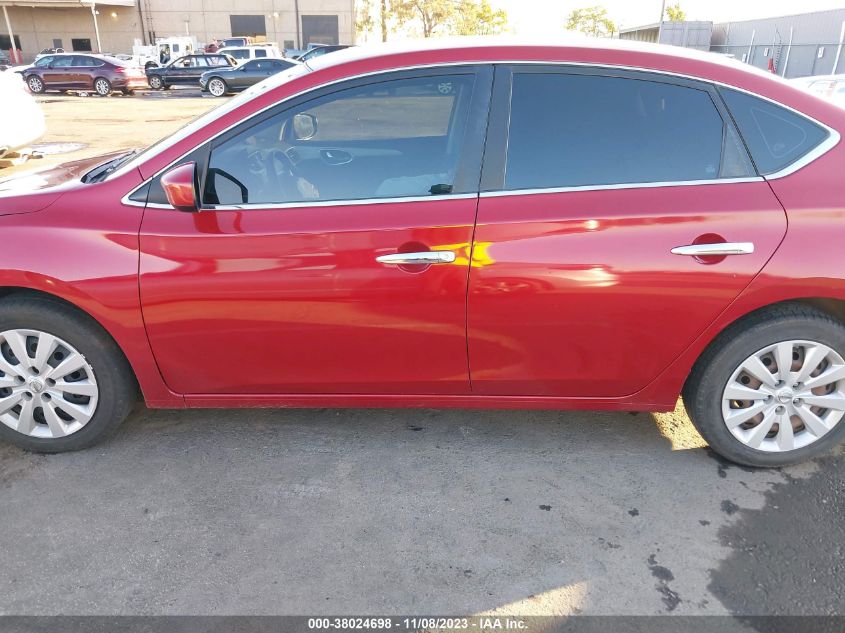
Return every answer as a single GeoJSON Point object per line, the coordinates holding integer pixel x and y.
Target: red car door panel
{"type": "Point", "coordinates": [578, 294]}
{"type": "Point", "coordinates": [285, 296]}
{"type": "Point", "coordinates": [293, 300]}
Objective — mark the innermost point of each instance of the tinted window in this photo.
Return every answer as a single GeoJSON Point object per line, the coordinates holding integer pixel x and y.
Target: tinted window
{"type": "Point", "coordinates": [776, 137]}
{"type": "Point", "coordinates": [577, 130]}
{"type": "Point", "coordinates": [85, 61]}
{"type": "Point", "coordinates": [63, 62]}
{"type": "Point", "coordinates": [394, 138]}
{"type": "Point", "coordinates": [239, 54]}
{"type": "Point", "coordinates": [259, 52]}
{"type": "Point", "coordinates": [44, 61]}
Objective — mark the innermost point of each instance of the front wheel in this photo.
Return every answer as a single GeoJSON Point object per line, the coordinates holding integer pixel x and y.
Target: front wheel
{"type": "Point", "coordinates": [217, 87]}
{"type": "Point", "coordinates": [102, 87]}
{"type": "Point", "coordinates": [64, 384]}
{"type": "Point", "coordinates": [35, 84]}
{"type": "Point", "coordinates": [771, 390]}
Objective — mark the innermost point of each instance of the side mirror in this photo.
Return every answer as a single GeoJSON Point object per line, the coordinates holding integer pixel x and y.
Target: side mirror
{"type": "Point", "coordinates": [304, 126]}
{"type": "Point", "coordinates": [178, 185]}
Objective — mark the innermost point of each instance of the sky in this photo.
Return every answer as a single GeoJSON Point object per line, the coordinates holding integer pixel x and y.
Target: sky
{"type": "Point", "coordinates": [546, 17]}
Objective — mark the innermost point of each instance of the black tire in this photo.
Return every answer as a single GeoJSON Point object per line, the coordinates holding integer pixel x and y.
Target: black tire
{"type": "Point", "coordinates": [156, 82]}
{"type": "Point", "coordinates": [128, 92]}
{"type": "Point", "coordinates": [102, 86]}
{"type": "Point", "coordinates": [220, 82]}
{"type": "Point", "coordinates": [708, 379]}
{"type": "Point", "coordinates": [36, 84]}
{"type": "Point", "coordinates": [118, 390]}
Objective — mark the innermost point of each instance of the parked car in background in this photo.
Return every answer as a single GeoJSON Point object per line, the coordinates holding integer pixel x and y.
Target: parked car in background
{"type": "Point", "coordinates": [48, 51]}
{"type": "Point", "coordinates": [21, 121]}
{"type": "Point", "coordinates": [830, 87]}
{"type": "Point", "coordinates": [319, 51]}
{"type": "Point", "coordinates": [254, 51]}
{"type": "Point", "coordinates": [165, 50]}
{"type": "Point", "coordinates": [605, 225]}
{"type": "Point", "coordinates": [186, 71]}
{"type": "Point", "coordinates": [83, 72]}
{"type": "Point", "coordinates": [221, 81]}
{"type": "Point", "coordinates": [234, 41]}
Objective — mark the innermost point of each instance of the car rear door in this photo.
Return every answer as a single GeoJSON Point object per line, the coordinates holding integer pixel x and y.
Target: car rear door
{"type": "Point", "coordinates": [290, 282]}
{"type": "Point", "coordinates": [603, 193]}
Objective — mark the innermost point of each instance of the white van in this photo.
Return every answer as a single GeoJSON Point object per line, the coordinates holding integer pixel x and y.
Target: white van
{"type": "Point", "coordinates": [254, 51]}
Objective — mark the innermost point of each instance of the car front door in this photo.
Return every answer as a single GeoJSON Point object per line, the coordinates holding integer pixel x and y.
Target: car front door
{"type": "Point", "coordinates": [602, 194]}
{"type": "Point", "coordinates": [331, 252]}
{"type": "Point", "coordinates": [178, 72]}
{"type": "Point", "coordinates": [60, 72]}
{"type": "Point", "coordinates": [247, 74]}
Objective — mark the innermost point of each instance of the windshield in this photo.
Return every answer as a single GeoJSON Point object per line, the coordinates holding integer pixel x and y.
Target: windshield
{"type": "Point", "coordinates": [215, 113]}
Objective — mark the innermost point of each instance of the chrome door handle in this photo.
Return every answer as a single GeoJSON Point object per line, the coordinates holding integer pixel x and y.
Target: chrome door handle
{"type": "Point", "coordinates": [725, 248]}
{"type": "Point", "coordinates": [428, 257]}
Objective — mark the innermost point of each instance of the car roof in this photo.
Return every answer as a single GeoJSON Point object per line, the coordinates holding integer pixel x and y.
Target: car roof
{"type": "Point", "coordinates": [518, 49]}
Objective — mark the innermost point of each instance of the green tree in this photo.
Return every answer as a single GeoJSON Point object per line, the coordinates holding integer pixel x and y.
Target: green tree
{"type": "Point", "coordinates": [479, 18]}
{"type": "Point", "coordinates": [369, 13]}
{"type": "Point", "coordinates": [449, 17]}
{"type": "Point", "coordinates": [431, 15]}
{"type": "Point", "coordinates": [675, 13]}
{"type": "Point", "coordinates": [592, 21]}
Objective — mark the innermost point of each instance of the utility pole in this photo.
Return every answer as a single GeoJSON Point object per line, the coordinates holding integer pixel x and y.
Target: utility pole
{"type": "Point", "coordinates": [96, 26]}
{"type": "Point", "coordinates": [299, 46]}
{"type": "Point", "coordinates": [660, 22]}
{"type": "Point", "coordinates": [14, 54]}
{"type": "Point", "coordinates": [383, 20]}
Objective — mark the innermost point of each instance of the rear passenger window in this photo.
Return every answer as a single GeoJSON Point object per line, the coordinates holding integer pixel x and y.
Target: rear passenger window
{"type": "Point", "coordinates": [776, 137]}
{"type": "Point", "coordinates": [582, 130]}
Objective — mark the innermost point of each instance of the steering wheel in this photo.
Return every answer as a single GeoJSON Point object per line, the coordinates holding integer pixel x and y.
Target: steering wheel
{"type": "Point", "coordinates": [287, 175]}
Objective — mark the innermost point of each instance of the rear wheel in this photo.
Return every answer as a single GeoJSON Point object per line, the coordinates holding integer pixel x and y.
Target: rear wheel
{"type": "Point", "coordinates": [35, 84]}
{"type": "Point", "coordinates": [771, 390]}
{"type": "Point", "coordinates": [155, 82]}
{"type": "Point", "coordinates": [102, 87]}
{"type": "Point", "coordinates": [217, 87]}
{"type": "Point", "coordinates": [63, 382]}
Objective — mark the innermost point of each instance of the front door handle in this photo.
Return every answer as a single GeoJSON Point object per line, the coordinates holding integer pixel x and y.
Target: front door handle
{"type": "Point", "coordinates": [722, 248]}
{"type": "Point", "coordinates": [419, 259]}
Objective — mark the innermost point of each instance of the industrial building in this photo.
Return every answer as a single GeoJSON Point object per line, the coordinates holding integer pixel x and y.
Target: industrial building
{"type": "Point", "coordinates": [792, 46]}
{"type": "Point", "coordinates": [117, 24]}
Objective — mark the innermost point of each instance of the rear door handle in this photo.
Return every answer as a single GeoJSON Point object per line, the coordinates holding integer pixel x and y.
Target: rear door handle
{"type": "Point", "coordinates": [426, 258]}
{"type": "Point", "coordinates": [722, 248]}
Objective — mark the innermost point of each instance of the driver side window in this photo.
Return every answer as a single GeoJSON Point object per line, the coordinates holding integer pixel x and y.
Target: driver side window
{"type": "Point", "coordinates": [396, 138]}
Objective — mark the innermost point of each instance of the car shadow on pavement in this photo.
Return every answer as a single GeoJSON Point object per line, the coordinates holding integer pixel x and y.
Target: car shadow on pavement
{"type": "Point", "coordinates": [374, 512]}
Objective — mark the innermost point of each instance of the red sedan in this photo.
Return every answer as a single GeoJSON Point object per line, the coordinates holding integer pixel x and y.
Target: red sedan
{"type": "Point", "coordinates": [585, 226]}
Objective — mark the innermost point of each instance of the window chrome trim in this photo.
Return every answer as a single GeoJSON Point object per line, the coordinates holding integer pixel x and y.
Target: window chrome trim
{"type": "Point", "coordinates": [821, 149]}
{"type": "Point", "coordinates": [818, 151]}
{"type": "Point", "coordinates": [626, 185]}
{"type": "Point", "coordinates": [258, 206]}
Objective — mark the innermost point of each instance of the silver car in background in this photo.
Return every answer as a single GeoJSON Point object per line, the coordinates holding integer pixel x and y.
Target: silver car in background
{"type": "Point", "coordinates": [830, 87]}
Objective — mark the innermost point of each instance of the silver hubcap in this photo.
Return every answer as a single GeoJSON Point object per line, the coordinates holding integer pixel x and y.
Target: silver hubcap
{"type": "Point", "coordinates": [47, 388]}
{"type": "Point", "coordinates": [785, 396]}
{"type": "Point", "coordinates": [155, 82]}
{"type": "Point", "coordinates": [102, 87]}
{"type": "Point", "coordinates": [35, 84]}
{"type": "Point", "coordinates": [216, 87]}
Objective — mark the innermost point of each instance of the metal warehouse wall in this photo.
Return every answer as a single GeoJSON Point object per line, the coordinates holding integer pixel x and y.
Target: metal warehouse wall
{"type": "Point", "coordinates": [816, 39]}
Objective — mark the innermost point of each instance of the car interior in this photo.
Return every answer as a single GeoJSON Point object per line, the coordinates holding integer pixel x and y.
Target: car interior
{"type": "Point", "coordinates": [358, 143]}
